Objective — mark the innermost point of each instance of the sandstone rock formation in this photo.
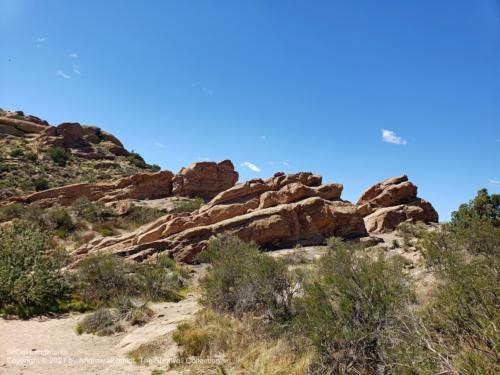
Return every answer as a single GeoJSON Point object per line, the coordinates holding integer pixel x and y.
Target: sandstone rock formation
{"type": "Point", "coordinates": [138, 186]}
{"type": "Point", "coordinates": [393, 201]}
{"type": "Point", "coordinates": [276, 212]}
{"type": "Point", "coordinates": [80, 137]}
{"type": "Point", "coordinates": [74, 136]}
{"type": "Point", "coordinates": [204, 179]}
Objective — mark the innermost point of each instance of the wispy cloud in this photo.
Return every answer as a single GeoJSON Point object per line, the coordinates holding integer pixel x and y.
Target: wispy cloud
{"type": "Point", "coordinates": [76, 69]}
{"type": "Point", "coordinates": [158, 144]}
{"type": "Point", "coordinates": [250, 166]}
{"type": "Point", "coordinates": [286, 163]}
{"type": "Point", "coordinates": [207, 91]}
{"type": "Point", "coordinates": [203, 158]}
{"type": "Point", "coordinates": [390, 137]}
{"type": "Point", "coordinates": [63, 75]}
{"type": "Point", "coordinates": [495, 182]}
{"type": "Point", "coordinates": [73, 55]}
{"type": "Point", "coordinates": [40, 41]}
{"type": "Point", "coordinates": [263, 137]}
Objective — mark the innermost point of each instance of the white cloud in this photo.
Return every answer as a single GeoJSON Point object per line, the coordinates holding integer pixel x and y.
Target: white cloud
{"type": "Point", "coordinates": [250, 166]}
{"type": "Point", "coordinates": [76, 69]}
{"type": "Point", "coordinates": [263, 137]}
{"type": "Point", "coordinates": [63, 75]}
{"type": "Point", "coordinates": [158, 144]}
{"type": "Point", "coordinates": [495, 182]}
{"type": "Point", "coordinates": [286, 163]}
{"type": "Point", "coordinates": [390, 137]}
{"type": "Point", "coordinates": [73, 55]}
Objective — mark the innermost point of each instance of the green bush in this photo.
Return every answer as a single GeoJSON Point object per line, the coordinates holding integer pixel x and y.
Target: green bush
{"type": "Point", "coordinates": [483, 207]}
{"type": "Point", "coordinates": [11, 211]}
{"type": "Point", "coordinates": [31, 280]}
{"type": "Point", "coordinates": [31, 156]}
{"type": "Point", "coordinates": [159, 281]}
{"type": "Point", "coordinates": [92, 211]}
{"type": "Point", "coordinates": [137, 160]}
{"type": "Point", "coordinates": [187, 205]}
{"type": "Point", "coordinates": [243, 279]}
{"type": "Point", "coordinates": [105, 231]}
{"type": "Point", "coordinates": [104, 277]}
{"type": "Point", "coordinates": [101, 322]}
{"type": "Point", "coordinates": [59, 220]}
{"type": "Point", "coordinates": [16, 152]}
{"type": "Point", "coordinates": [41, 184]}
{"type": "Point", "coordinates": [59, 155]}
{"type": "Point", "coordinates": [349, 307]}
{"type": "Point", "coordinates": [138, 216]}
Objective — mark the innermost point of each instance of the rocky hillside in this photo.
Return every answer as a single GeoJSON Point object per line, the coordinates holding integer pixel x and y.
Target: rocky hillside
{"type": "Point", "coordinates": [35, 155]}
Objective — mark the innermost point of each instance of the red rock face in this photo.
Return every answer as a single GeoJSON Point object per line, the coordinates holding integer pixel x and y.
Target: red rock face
{"type": "Point", "coordinates": [393, 201]}
{"type": "Point", "coordinates": [204, 179]}
{"type": "Point", "coordinates": [273, 213]}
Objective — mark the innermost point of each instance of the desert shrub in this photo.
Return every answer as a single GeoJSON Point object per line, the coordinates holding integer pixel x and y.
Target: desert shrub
{"type": "Point", "coordinates": [31, 280]}
{"type": "Point", "coordinates": [59, 220]}
{"type": "Point", "coordinates": [193, 341]}
{"type": "Point", "coordinates": [187, 205]}
{"type": "Point", "coordinates": [104, 231]}
{"type": "Point", "coordinates": [4, 168]}
{"type": "Point", "coordinates": [10, 211]}
{"type": "Point", "coordinates": [16, 152]}
{"type": "Point", "coordinates": [159, 281]}
{"type": "Point", "coordinates": [138, 216]}
{"type": "Point", "coordinates": [243, 279]}
{"type": "Point", "coordinates": [134, 311]}
{"type": "Point", "coordinates": [137, 160]}
{"type": "Point", "coordinates": [41, 184]}
{"type": "Point", "coordinates": [31, 156]}
{"type": "Point", "coordinates": [59, 155]}
{"type": "Point", "coordinates": [101, 322]}
{"type": "Point", "coordinates": [155, 167]}
{"type": "Point", "coordinates": [104, 277]}
{"type": "Point", "coordinates": [91, 211]}
{"type": "Point", "coordinates": [347, 309]}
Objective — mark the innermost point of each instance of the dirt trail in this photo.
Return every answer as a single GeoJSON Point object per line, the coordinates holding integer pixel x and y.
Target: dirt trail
{"type": "Point", "coordinates": [52, 347]}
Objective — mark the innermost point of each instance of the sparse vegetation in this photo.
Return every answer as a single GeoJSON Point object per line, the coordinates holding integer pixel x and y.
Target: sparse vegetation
{"type": "Point", "coordinates": [41, 184]}
{"type": "Point", "coordinates": [187, 205]}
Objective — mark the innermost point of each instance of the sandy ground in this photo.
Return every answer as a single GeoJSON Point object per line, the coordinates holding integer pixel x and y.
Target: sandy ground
{"type": "Point", "coordinates": [51, 346]}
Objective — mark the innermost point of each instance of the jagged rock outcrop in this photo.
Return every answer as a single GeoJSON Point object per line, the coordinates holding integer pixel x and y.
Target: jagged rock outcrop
{"type": "Point", "coordinates": [391, 202]}
{"type": "Point", "coordinates": [275, 212]}
{"type": "Point", "coordinates": [204, 179]}
{"type": "Point", "coordinates": [138, 186]}
{"type": "Point", "coordinates": [72, 135]}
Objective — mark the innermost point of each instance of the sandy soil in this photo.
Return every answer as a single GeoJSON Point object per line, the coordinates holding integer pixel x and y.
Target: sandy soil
{"type": "Point", "coordinates": [51, 346]}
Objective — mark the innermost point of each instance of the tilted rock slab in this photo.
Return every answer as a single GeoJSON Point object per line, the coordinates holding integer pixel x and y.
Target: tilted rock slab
{"type": "Point", "coordinates": [138, 186]}
{"type": "Point", "coordinates": [275, 212]}
{"type": "Point", "coordinates": [391, 202]}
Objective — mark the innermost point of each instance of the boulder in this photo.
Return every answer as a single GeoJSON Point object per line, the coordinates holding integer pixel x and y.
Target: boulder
{"type": "Point", "coordinates": [138, 186]}
{"type": "Point", "coordinates": [204, 179]}
{"type": "Point", "coordinates": [386, 219]}
{"type": "Point", "coordinates": [273, 213]}
{"type": "Point", "coordinates": [393, 201]}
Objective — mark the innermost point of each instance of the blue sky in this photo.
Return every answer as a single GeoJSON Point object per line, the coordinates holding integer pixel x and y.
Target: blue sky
{"type": "Point", "coordinates": [279, 85]}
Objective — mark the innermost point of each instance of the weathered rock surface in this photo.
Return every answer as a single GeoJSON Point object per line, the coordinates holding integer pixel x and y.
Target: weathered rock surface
{"type": "Point", "coordinates": [393, 201]}
{"type": "Point", "coordinates": [273, 213]}
{"type": "Point", "coordinates": [204, 179]}
{"type": "Point", "coordinates": [80, 137]}
{"type": "Point", "coordinates": [138, 186]}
